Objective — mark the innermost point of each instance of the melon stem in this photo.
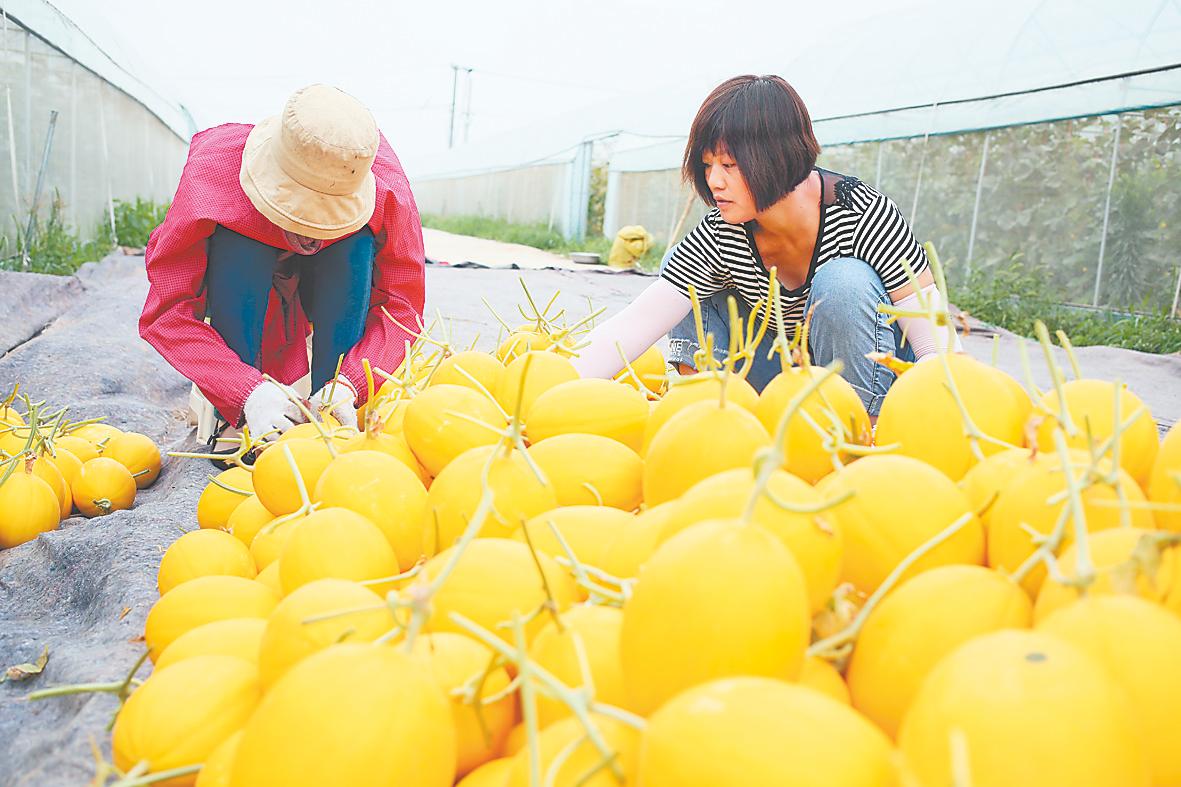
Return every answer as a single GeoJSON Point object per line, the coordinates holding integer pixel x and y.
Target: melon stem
{"type": "Point", "coordinates": [550, 604]}
{"type": "Point", "coordinates": [160, 776]}
{"type": "Point", "coordinates": [307, 414]}
{"type": "Point", "coordinates": [533, 677]}
{"type": "Point", "coordinates": [1068, 348]}
{"type": "Point", "coordinates": [833, 647]}
{"type": "Point", "coordinates": [1063, 413]}
{"type": "Point", "coordinates": [1084, 568]}
{"type": "Point", "coordinates": [774, 457]}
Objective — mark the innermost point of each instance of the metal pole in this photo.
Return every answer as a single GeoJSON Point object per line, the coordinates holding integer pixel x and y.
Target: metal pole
{"type": "Point", "coordinates": [1177, 292]}
{"type": "Point", "coordinates": [102, 129]}
{"type": "Point", "coordinates": [37, 190]}
{"type": "Point", "coordinates": [1119, 121]}
{"type": "Point", "coordinates": [454, 86]}
{"type": "Point", "coordinates": [976, 205]}
{"type": "Point", "coordinates": [467, 106]}
{"type": "Point", "coordinates": [918, 183]}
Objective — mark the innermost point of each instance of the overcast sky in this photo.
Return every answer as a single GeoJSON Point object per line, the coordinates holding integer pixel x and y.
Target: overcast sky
{"type": "Point", "coordinates": [237, 60]}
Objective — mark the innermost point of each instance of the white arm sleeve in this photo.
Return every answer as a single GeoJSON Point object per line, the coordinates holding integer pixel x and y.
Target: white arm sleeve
{"type": "Point", "coordinates": [636, 328]}
{"type": "Point", "coordinates": [925, 337]}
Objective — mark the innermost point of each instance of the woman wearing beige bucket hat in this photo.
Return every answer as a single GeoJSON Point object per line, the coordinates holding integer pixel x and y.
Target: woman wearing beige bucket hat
{"type": "Point", "coordinates": [306, 218]}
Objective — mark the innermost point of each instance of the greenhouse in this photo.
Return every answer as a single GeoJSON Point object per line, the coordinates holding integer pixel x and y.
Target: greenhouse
{"type": "Point", "coordinates": [1048, 140]}
{"type": "Point", "coordinates": [79, 130]}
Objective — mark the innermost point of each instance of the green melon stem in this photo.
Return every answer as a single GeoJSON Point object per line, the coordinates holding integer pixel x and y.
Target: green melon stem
{"type": "Point", "coordinates": [832, 647]}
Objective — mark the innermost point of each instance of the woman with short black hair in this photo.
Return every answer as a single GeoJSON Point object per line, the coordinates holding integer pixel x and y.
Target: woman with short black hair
{"type": "Point", "coordinates": [836, 244]}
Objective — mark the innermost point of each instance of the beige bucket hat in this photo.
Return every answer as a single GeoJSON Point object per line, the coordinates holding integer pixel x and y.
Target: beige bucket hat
{"type": "Point", "coordinates": [310, 169]}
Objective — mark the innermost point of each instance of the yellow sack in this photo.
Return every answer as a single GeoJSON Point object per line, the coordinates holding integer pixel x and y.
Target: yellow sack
{"type": "Point", "coordinates": [631, 243]}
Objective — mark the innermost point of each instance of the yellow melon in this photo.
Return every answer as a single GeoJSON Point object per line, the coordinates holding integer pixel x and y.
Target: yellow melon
{"type": "Point", "coordinates": [181, 714]}
{"type": "Point", "coordinates": [104, 486]}
{"type": "Point", "coordinates": [336, 543]}
{"type": "Point", "coordinates": [486, 369]}
{"type": "Point", "coordinates": [590, 406]}
{"type": "Point", "coordinates": [517, 495]}
{"type": "Point", "coordinates": [590, 635]}
{"type": "Point", "coordinates": [1024, 504]}
{"type": "Point", "coordinates": [589, 531]}
{"type": "Point", "coordinates": [204, 600]}
{"type": "Point", "coordinates": [1139, 644]}
{"type": "Point", "coordinates": [385, 492]}
{"type": "Point", "coordinates": [823, 677]}
{"type": "Point", "coordinates": [201, 553]}
{"type": "Point", "coordinates": [238, 637]}
{"type": "Point", "coordinates": [1022, 707]}
{"type": "Point", "coordinates": [545, 371]}
{"type": "Point", "coordinates": [275, 483]}
{"type": "Point", "coordinates": [680, 454]}
{"type": "Point", "coordinates": [649, 369]}
{"type": "Point", "coordinates": [1091, 407]}
{"type": "Point", "coordinates": [1127, 561]}
{"type": "Point", "coordinates": [247, 518]}
{"type": "Point", "coordinates": [697, 388]}
{"type": "Point", "coordinates": [919, 623]}
{"type": "Point", "coordinates": [459, 663]}
{"type": "Point", "coordinates": [761, 732]}
{"type": "Point", "coordinates": [316, 616]}
{"type": "Point", "coordinates": [218, 500]}
{"type": "Point", "coordinates": [881, 524]}
{"type": "Point", "coordinates": [812, 539]}
{"type": "Point", "coordinates": [138, 453]}
{"type": "Point", "coordinates": [920, 413]}
{"type": "Point", "coordinates": [589, 469]}
{"type": "Point", "coordinates": [438, 428]}
{"type": "Point", "coordinates": [350, 714]}
{"type": "Point", "coordinates": [494, 580]}
{"type": "Point", "coordinates": [393, 444]}
{"type": "Point", "coordinates": [721, 598]}
{"type": "Point", "coordinates": [834, 405]}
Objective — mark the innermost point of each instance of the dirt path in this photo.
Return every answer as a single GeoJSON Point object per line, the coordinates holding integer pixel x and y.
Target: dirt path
{"type": "Point", "coordinates": [453, 249]}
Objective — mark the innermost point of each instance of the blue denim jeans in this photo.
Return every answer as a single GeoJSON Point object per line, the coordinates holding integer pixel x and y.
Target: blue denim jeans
{"type": "Point", "coordinates": [845, 325]}
{"type": "Point", "coordinates": [334, 286]}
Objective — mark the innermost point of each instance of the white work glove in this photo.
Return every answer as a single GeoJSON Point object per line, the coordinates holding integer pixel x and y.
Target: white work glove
{"type": "Point", "coordinates": [337, 400]}
{"type": "Point", "coordinates": [269, 412]}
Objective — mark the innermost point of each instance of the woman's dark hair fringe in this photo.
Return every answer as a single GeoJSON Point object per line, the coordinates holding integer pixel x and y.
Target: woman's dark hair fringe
{"type": "Point", "coordinates": [762, 123]}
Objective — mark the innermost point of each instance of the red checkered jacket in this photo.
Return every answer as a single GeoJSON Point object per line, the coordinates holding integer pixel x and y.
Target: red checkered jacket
{"type": "Point", "coordinates": [209, 194]}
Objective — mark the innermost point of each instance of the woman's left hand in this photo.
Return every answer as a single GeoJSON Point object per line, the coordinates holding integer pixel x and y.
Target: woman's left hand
{"type": "Point", "coordinates": [338, 399]}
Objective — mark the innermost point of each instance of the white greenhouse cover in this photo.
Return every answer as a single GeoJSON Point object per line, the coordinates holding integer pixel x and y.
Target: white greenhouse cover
{"type": "Point", "coordinates": [935, 69]}
{"type": "Point", "coordinates": [50, 24]}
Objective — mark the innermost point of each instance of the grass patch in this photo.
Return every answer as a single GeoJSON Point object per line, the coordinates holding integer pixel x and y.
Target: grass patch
{"type": "Point", "coordinates": [539, 236]}
{"type": "Point", "coordinates": [1013, 297]}
{"type": "Point", "coordinates": [59, 249]}
{"type": "Point", "coordinates": [134, 221]}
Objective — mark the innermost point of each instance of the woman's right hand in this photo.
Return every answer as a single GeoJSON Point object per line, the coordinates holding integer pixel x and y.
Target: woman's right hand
{"type": "Point", "coordinates": [270, 411]}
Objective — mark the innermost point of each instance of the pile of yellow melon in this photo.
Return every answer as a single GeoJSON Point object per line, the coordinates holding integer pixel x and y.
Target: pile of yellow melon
{"type": "Point", "coordinates": [50, 468]}
{"type": "Point", "coordinates": [514, 576]}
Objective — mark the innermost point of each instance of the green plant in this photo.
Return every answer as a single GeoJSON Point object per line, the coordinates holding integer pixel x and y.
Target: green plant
{"type": "Point", "coordinates": [1014, 297]}
{"type": "Point", "coordinates": [55, 247]}
{"type": "Point", "coordinates": [597, 204]}
{"type": "Point", "coordinates": [134, 221]}
{"type": "Point", "coordinates": [59, 249]}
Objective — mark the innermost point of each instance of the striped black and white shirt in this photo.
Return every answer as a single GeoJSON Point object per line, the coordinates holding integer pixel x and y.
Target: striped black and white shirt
{"type": "Point", "coordinates": [856, 220]}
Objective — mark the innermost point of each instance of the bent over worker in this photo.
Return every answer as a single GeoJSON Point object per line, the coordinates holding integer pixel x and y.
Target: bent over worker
{"type": "Point", "coordinates": [304, 220]}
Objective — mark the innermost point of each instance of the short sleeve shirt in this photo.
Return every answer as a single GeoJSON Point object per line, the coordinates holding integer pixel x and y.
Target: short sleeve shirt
{"type": "Point", "coordinates": [856, 220]}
